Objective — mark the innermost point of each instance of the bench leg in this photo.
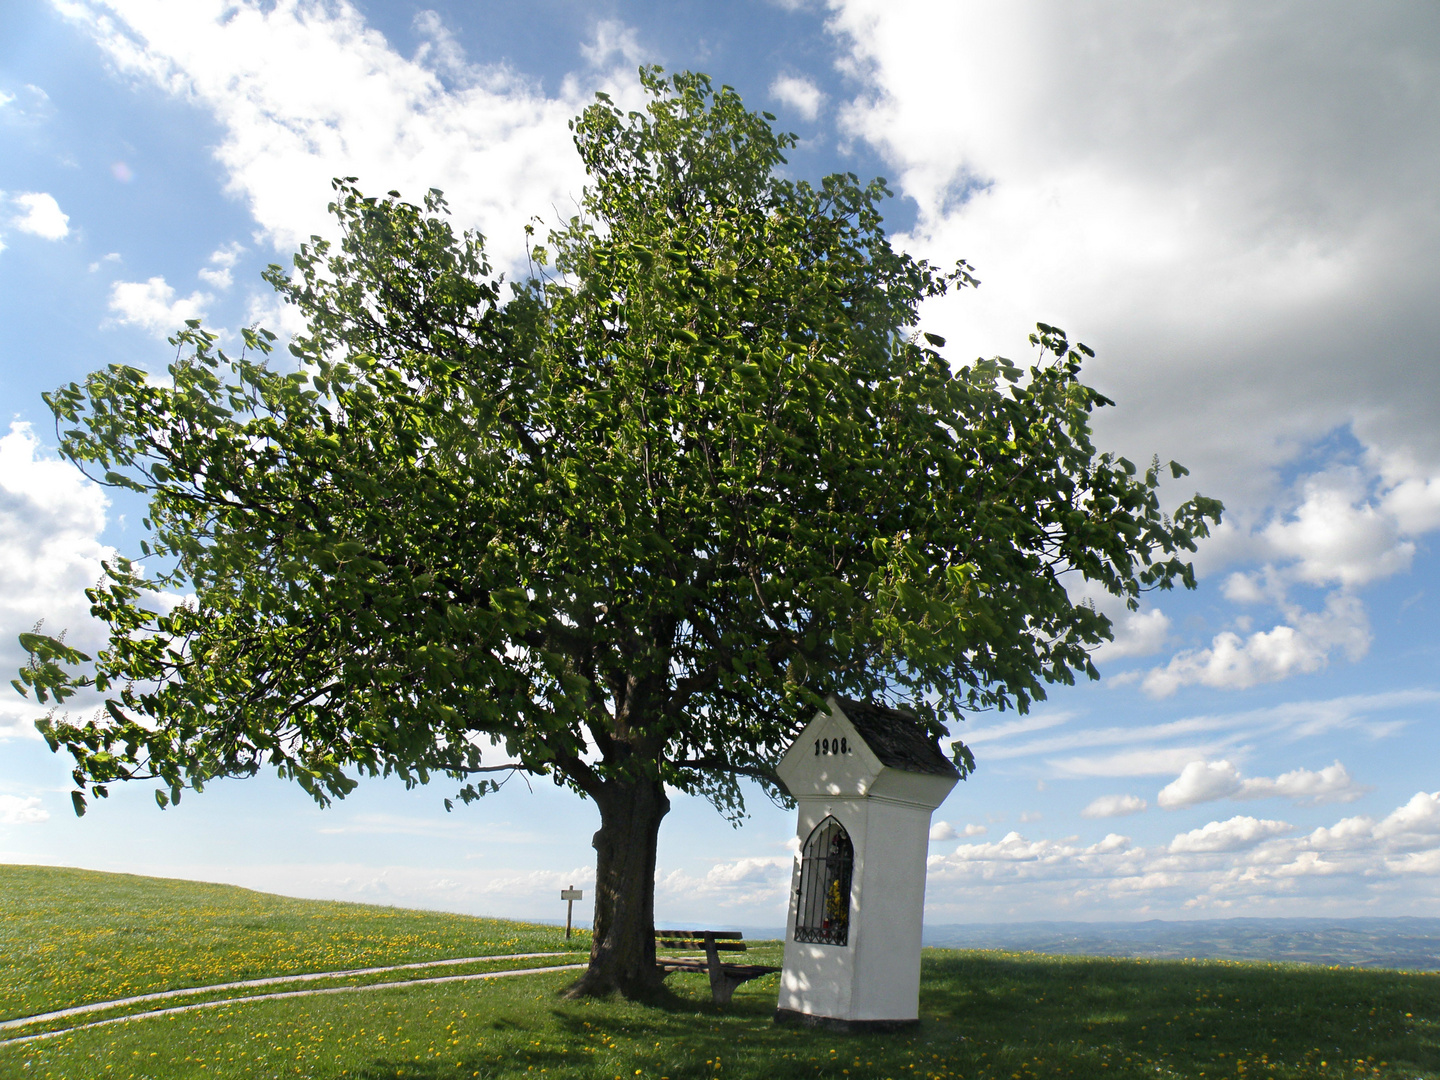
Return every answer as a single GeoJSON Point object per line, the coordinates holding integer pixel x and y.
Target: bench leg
{"type": "Point", "coordinates": [719, 991]}
{"type": "Point", "coordinates": [722, 990]}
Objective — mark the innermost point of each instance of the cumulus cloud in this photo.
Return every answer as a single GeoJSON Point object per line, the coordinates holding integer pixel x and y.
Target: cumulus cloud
{"type": "Point", "coordinates": [1137, 633]}
{"type": "Point", "coordinates": [1330, 784]}
{"type": "Point", "coordinates": [737, 883]}
{"type": "Point", "coordinates": [1303, 644]}
{"type": "Point", "coordinates": [153, 305]}
{"type": "Point", "coordinates": [1108, 806]}
{"type": "Point", "coordinates": [51, 519]}
{"type": "Point", "coordinates": [1337, 536]}
{"type": "Point", "coordinates": [1208, 176]}
{"type": "Point", "coordinates": [1414, 825]}
{"type": "Point", "coordinates": [1346, 833]}
{"type": "Point", "coordinates": [42, 216]}
{"type": "Point", "coordinates": [305, 92]}
{"type": "Point", "coordinates": [1207, 781]}
{"type": "Point", "coordinates": [1200, 212]}
{"type": "Point", "coordinates": [1245, 863]}
{"type": "Point", "coordinates": [947, 830]}
{"type": "Point", "coordinates": [1013, 848]}
{"type": "Point", "coordinates": [1198, 782]}
{"type": "Point", "coordinates": [800, 93]}
{"type": "Point", "coordinates": [217, 275]}
{"type": "Point", "coordinates": [1231, 835]}
{"type": "Point", "coordinates": [15, 810]}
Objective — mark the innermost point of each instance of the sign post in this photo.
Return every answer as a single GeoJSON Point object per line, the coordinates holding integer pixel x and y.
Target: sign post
{"type": "Point", "coordinates": [570, 895]}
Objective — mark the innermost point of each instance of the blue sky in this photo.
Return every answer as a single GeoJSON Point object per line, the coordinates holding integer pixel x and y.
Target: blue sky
{"type": "Point", "coordinates": [1234, 204]}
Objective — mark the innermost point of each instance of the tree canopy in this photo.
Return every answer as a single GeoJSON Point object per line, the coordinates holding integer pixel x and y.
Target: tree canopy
{"type": "Point", "coordinates": [624, 521]}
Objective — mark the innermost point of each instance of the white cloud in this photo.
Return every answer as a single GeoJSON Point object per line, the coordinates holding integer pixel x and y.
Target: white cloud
{"type": "Point", "coordinates": [217, 274]}
{"type": "Point", "coordinates": [1137, 633]}
{"type": "Point", "coordinates": [51, 519]}
{"type": "Point", "coordinates": [800, 93]}
{"type": "Point", "coordinates": [440, 50]}
{"type": "Point", "coordinates": [1150, 761]}
{"type": "Point", "coordinates": [1410, 492]}
{"type": "Point", "coordinates": [1014, 848]}
{"type": "Point", "coordinates": [1199, 210]}
{"type": "Point", "coordinates": [1346, 833]}
{"type": "Point", "coordinates": [306, 92]}
{"type": "Point", "coordinates": [227, 255]}
{"type": "Point", "coordinates": [946, 830]}
{"type": "Point", "coordinates": [1302, 645]}
{"type": "Point", "coordinates": [1232, 835]}
{"type": "Point", "coordinates": [42, 216]}
{"type": "Point", "coordinates": [153, 305]}
{"type": "Point", "coordinates": [1257, 866]}
{"type": "Point", "coordinates": [1108, 806]}
{"type": "Point", "coordinates": [613, 41]}
{"type": "Point", "coordinates": [15, 810]}
{"type": "Point", "coordinates": [1330, 784]}
{"type": "Point", "coordinates": [1337, 536]}
{"type": "Point", "coordinates": [1166, 748]}
{"type": "Point", "coordinates": [762, 881]}
{"type": "Point", "coordinates": [1198, 782]}
{"type": "Point", "coordinates": [1207, 781]}
{"type": "Point", "coordinates": [1416, 824]}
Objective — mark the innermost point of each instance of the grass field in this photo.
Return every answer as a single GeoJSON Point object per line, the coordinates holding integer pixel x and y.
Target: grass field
{"type": "Point", "coordinates": [985, 1014]}
{"type": "Point", "coordinates": [70, 937]}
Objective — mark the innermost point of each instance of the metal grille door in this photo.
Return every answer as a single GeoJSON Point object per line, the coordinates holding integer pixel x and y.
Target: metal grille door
{"type": "Point", "coordinates": [822, 916]}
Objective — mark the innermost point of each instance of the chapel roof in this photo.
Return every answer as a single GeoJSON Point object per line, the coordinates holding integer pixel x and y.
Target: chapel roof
{"type": "Point", "coordinates": [897, 738]}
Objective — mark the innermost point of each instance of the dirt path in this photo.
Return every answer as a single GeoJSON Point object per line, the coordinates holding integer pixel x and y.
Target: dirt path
{"type": "Point", "coordinates": [98, 1006]}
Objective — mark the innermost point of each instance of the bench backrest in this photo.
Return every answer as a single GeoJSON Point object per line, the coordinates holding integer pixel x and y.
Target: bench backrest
{"type": "Point", "coordinates": [722, 940]}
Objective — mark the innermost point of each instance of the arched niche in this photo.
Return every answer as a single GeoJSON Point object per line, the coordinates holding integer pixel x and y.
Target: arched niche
{"type": "Point", "coordinates": [827, 861]}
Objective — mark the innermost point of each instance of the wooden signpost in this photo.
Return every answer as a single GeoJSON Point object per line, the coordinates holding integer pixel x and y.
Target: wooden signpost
{"type": "Point", "coordinates": [570, 895]}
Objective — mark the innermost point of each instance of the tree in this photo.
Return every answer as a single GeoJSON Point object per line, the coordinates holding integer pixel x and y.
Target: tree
{"type": "Point", "coordinates": [623, 524]}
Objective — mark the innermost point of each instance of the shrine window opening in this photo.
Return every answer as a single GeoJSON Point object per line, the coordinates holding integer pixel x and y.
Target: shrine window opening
{"type": "Point", "coordinates": [822, 917]}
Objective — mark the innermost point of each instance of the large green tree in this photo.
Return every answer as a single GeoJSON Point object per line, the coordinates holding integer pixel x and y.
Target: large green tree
{"type": "Point", "coordinates": [622, 523]}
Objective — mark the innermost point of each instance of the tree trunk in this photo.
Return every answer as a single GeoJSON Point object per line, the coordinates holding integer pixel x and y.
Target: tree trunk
{"type": "Point", "coordinates": [622, 953]}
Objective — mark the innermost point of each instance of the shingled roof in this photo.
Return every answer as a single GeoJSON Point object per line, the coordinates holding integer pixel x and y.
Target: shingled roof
{"type": "Point", "coordinates": [897, 738]}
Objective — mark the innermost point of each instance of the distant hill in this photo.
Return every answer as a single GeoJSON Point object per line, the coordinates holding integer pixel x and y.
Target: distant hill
{"type": "Point", "coordinates": [1407, 943]}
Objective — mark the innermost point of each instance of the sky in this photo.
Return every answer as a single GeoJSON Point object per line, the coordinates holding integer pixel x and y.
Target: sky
{"type": "Point", "coordinates": [1233, 204]}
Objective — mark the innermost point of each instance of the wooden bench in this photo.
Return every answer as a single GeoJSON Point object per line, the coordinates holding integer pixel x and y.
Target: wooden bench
{"type": "Point", "coordinates": [724, 978]}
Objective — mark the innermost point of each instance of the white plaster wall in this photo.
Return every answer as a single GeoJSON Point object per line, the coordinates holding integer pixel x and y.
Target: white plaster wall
{"type": "Point", "coordinates": [887, 929]}
{"type": "Point", "coordinates": [818, 979]}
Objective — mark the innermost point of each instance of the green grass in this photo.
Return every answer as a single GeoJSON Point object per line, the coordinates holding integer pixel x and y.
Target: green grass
{"type": "Point", "coordinates": [71, 937]}
{"type": "Point", "coordinates": [1001, 1016]}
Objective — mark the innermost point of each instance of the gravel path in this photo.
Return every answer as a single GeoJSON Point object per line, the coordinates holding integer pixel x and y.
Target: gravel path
{"type": "Point", "coordinates": [98, 1006]}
